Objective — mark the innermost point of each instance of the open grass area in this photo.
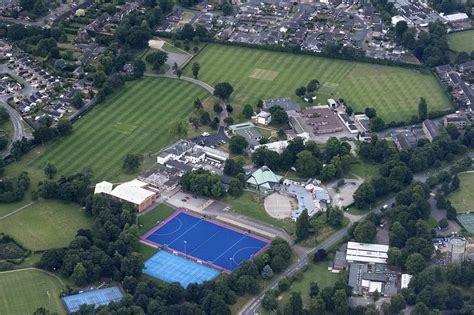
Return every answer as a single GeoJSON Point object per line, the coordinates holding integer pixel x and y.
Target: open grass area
{"type": "Point", "coordinates": [259, 74]}
{"type": "Point", "coordinates": [23, 291]}
{"type": "Point", "coordinates": [147, 221]}
{"type": "Point", "coordinates": [462, 198]}
{"type": "Point", "coordinates": [462, 41]}
{"type": "Point", "coordinates": [46, 224]}
{"type": "Point", "coordinates": [318, 273]}
{"type": "Point", "coordinates": [251, 205]}
{"type": "Point", "coordinates": [134, 120]}
{"type": "Point", "coordinates": [365, 169]}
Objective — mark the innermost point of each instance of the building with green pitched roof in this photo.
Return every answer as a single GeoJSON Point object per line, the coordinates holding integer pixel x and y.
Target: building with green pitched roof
{"type": "Point", "coordinates": [264, 180]}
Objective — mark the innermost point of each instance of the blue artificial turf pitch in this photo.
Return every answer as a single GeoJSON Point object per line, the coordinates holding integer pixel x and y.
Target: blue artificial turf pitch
{"type": "Point", "coordinates": [95, 297]}
{"type": "Point", "coordinates": [205, 241]}
{"type": "Point", "coordinates": [172, 268]}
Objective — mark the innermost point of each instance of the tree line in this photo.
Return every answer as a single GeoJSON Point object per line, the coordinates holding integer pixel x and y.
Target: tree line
{"type": "Point", "coordinates": [398, 167]}
{"type": "Point", "coordinates": [308, 158]}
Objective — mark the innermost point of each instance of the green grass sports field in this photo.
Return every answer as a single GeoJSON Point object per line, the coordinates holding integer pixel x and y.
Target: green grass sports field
{"type": "Point", "coordinates": [135, 120]}
{"type": "Point", "coordinates": [46, 224]}
{"type": "Point", "coordinates": [23, 291]}
{"type": "Point", "coordinates": [259, 74]}
{"type": "Point", "coordinates": [461, 199]}
{"type": "Point", "coordinates": [462, 41]}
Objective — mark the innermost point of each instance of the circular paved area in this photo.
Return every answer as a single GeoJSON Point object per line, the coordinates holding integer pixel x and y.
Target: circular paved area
{"type": "Point", "coordinates": [279, 206]}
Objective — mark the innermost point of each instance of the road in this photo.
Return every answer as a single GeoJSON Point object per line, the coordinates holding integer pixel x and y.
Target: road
{"type": "Point", "coordinates": [19, 128]}
{"type": "Point", "coordinates": [252, 306]}
{"type": "Point", "coordinates": [60, 11]}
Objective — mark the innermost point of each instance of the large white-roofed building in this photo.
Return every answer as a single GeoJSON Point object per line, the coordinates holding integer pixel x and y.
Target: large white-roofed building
{"type": "Point", "coordinates": [135, 192]}
{"type": "Point", "coordinates": [366, 253]}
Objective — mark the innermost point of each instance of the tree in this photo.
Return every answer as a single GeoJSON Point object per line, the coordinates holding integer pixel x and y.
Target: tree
{"type": "Point", "coordinates": [397, 304]}
{"type": "Point", "coordinates": [312, 86]}
{"type": "Point", "coordinates": [217, 108]}
{"type": "Point", "coordinates": [443, 223]}
{"type": "Point", "coordinates": [237, 144]}
{"type": "Point", "coordinates": [197, 104]}
{"type": "Point", "coordinates": [77, 100]}
{"type": "Point", "coordinates": [306, 164]}
{"type": "Point", "coordinates": [364, 195]}
{"type": "Point", "coordinates": [455, 183]}
{"type": "Point", "coordinates": [236, 188]}
{"type": "Point", "coordinates": [335, 217]}
{"type": "Point", "coordinates": [232, 167]}
{"type": "Point", "coordinates": [320, 255]}
{"type": "Point", "coordinates": [196, 68]}
{"type": "Point", "coordinates": [422, 109]}
{"type": "Point", "coordinates": [370, 112]}
{"type": "Point", "coordinates": [39, 8]}
{"type": "Point", "coordinates": [376, 124]}
{"type": "Point", "coordinates": [223, 90]}
{"type": "Point", "coordinates": [420, 309]}
{"type": "Point", "coordinates": [313, 289]}
{"type": "Point", "coordinates": [349, 110]}
{"type": "Point", "coordinates": [267, 272]}
{"type": "Point", "coordinates": [157, 59]}
{"type": "Point", "coordinates": [41, 311]}
{"type": "Point", "coordinates": [79, 275]}
{"type": "Point", "coordinates": [229, 121]}
{"type": "Point", "coordinates": [205, 118]}
{"type": "Point", "coordinates": [398, 235]}
{"type": "Point", "coordinates": [340, 302]}
{"type": "Point", "coordinates": [453, 131]}
{"type": "Point", "coordinates": [247, 112]}
{"type": "Point", "coordinates": [227, 8]}
{"type": "Point", "coordinates": [294, 305]}
{"type": "Point", "coordinates": [50, 170]}
{"type": "Point", "coordinates": [279, 115]}
{"type": "Point", "coordinates": [270, 301]}
{"type": "Point", "coordinates": [132, 162]}
{"type": "Point", "coordinates": [302, 225]}
{"type": "Point", "coordinates": [400, 28]}
{"type": "Point", "coordinates": [365, 232]}
{"type": "Point", "coordinates": [395, 256]}
{"type": "Point", "coordinates": [317, 306]}
{"type": "Point", "coordinates": [415, 263]}
{"type": "Point", "coordinates": [179, 73]}
{"type": "Point", "coordinates": [301, 91]}
{"type": "Point", "coordinates": [139, 68]}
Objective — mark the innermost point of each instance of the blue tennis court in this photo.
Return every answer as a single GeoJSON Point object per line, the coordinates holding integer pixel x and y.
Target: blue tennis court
{"type": "Point", "coordinates": [172, 268]}
{"type": "Point", "coordinates": [206, 241]}
{"type": "Point", "coordinates": [96, 297]}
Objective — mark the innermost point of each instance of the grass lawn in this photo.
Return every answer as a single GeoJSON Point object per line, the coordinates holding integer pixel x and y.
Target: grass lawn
{"type": "Point", "coordinates": [318, 273]}
{"type": "Point", "coordinates": [259, 74]}
{"type": "Point", "coordinates": [23, 291]}
{"type": "Point", "coordinates": [46, 224]}
{"type": "Point", "coordinates": [462, 41]}
{"type": "Point", "coordinates": [251, 205]}
{"type": "Point", "coordinates": [136, 119]}
{"type": "Point", "coordinates": [148, 221]}
{"type": "Point", "coordinates": [365, 169]}
{"type": "Point", "coordinates": [147, 251]}
{"type": "Point", "coordinates": [462, 198]}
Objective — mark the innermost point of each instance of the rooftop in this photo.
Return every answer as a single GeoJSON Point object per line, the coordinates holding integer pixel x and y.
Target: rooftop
{"type": "Point", "coordinates": [263, 177]}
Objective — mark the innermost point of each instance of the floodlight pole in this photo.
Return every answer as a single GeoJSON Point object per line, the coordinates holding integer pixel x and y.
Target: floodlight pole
{"type": "Point", "coordinates": [185, 242]}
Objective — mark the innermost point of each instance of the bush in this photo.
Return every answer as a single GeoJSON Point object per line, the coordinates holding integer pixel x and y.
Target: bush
{"type": "Point", "coordinates": [5, 265]}
{"type": "Point", "coordinates": [11, 250]}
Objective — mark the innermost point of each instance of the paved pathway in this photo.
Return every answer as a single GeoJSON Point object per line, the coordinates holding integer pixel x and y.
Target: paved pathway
{"type": "Point", "coordinates": [202, 84]}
